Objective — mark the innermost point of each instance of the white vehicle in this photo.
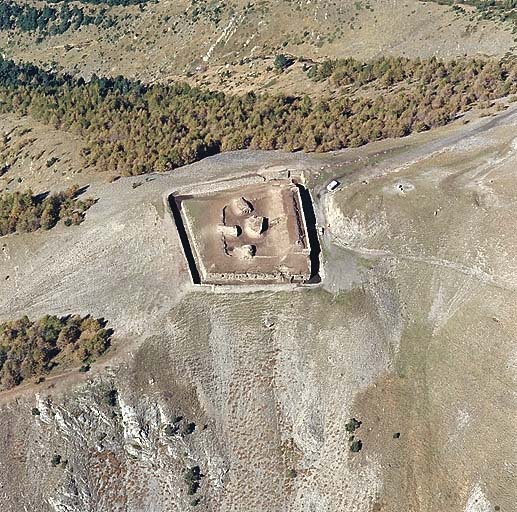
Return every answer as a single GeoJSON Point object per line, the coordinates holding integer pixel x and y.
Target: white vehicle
{"type": "Point", "coordinates": [332, 185]}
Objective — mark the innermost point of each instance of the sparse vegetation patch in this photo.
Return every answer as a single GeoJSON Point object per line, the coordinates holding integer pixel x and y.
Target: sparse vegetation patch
{"type": "Point", "coordinates": [24, 212]}
{"type": "Point", "coordinates": [282, 62]}
{"type": "Point", "coordinates": [501, 10]}
{"type": "Point", "coordinates": [356, 446]}
{"type": "Point", "coordinates": [352, 425]}
{"type": "Point", "coordinates": [193, 479]}
{"type": "Point", "coordinates": [111, 2]}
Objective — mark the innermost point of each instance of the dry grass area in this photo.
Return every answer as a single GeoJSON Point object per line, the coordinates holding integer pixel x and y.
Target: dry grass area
{"type": "Point", "coordinates": [412, 330]}
{"type": "Point", "coordinates": [231, 46]}
{"type": "Point", "coordinates": [438, 234]}
{"type": "Point", "coordinates": [36, 156]}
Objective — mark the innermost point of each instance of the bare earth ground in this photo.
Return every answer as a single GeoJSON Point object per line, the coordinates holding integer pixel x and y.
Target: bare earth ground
{"type": "Point", "coordinates": [282, 247]}
{"type": "Point", "coordinates": [412, 331]}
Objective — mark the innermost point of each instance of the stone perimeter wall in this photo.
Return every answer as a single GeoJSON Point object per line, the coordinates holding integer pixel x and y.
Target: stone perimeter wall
{"type": "Point", "coordinates": [214, 278]}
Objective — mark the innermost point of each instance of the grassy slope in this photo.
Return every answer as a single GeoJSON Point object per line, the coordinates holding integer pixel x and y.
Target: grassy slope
{"type": "Point", "coordinates": [232, 48]}
{"type": "Point", "coordinates": [28, 147]}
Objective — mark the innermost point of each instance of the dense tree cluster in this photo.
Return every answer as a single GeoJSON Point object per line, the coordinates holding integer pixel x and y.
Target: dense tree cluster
{"type": "Point", "coordinates": [32, 349]}
{"type": "Point", "coordinates": [47, 20]}
{"type": "Point", "coordinates": [390, 71]}
{"type": "Point", "coordinates": [133, 129]}
{"type": "Point", "coordinates": [24, 213]}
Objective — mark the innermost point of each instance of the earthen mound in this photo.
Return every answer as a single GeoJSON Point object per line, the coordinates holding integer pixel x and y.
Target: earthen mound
{"type": "Point", "coordinates": [241, 206]}
{"type": "Point", "coordinates": [234, 231]}
{"type": "Point", "coordinates": [254, 226]}
{"type": "Point", "coordinates": [244, 252]}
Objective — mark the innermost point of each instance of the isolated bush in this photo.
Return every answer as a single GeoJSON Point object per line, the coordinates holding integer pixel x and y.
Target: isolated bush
{"type": "Point", "coordinates": [111, 398]}
{"type": "Point", "coordinates": [193, 479]}
{"type": "Point", "coordinates": [282, 62]}
{"type": "Point", "coordinates": [189, 428]}
{"type": "Point", "coordinates": [356, 446]}
{"type": "Point", "coordinates": [51, 161]}
{"type": "Point", "coordinates": [352, 425]}
{"type": "Point", "coordinates": [171, 430]}
{"type": "Point", "coordinates": [291, 473]}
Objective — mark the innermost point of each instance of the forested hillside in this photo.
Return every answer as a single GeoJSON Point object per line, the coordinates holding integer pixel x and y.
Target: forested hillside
{"type": "Point", "coordinates": [132, 128]}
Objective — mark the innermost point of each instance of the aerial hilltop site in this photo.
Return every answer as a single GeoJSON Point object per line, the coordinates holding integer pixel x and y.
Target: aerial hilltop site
{"type": "Point", "coordinates": [258, 256]}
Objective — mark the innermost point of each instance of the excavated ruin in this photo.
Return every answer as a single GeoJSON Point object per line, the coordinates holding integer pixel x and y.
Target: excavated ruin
{"type": "Point", "coordinates": [261, 236]}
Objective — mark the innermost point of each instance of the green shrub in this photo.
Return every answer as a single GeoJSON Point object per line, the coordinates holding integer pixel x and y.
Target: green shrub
{"type": "Point", "coordinates": [52, 161]}
{"type": "Point", "coordinates": [193, 479]}
{"type": "Point", "coordinates": [291, 473]}
{"type": "Point", "coordinates": [111, 398]}
{"type": "Point", "coordinates": [189, 428]}
{"type": "Point", "coordinates": [356, 446]}
{"type": "Point", "coordinates": [282, 62]}
{"type": "Point", "coordinates": [352, 425]}
{"type": "Point", "coordinates": [171, 430]}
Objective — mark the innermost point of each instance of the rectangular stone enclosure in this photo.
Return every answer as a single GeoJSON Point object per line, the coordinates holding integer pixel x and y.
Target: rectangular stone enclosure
{"type": "Point", "coordinates": [251, 234]}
